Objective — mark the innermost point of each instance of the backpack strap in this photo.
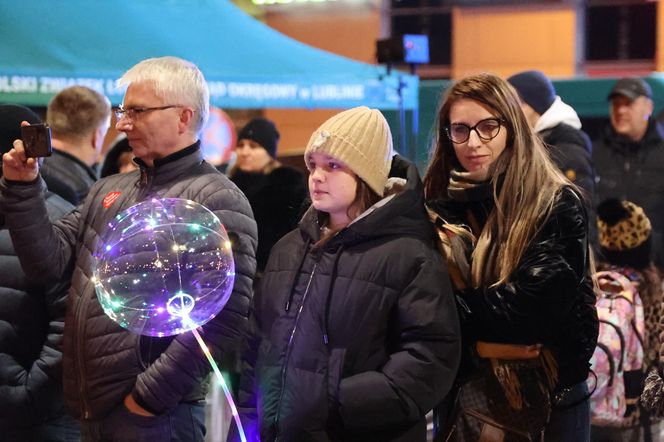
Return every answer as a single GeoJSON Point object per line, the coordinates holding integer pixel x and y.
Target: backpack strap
{"type": "Point", "coordinates": [621, 336]}
{"type": "Point", "coordinates": [612, 364]}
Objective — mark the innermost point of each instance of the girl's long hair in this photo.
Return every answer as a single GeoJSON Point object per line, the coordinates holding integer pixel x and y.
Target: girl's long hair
{"type": "Point", "coordinates": [528, 189]}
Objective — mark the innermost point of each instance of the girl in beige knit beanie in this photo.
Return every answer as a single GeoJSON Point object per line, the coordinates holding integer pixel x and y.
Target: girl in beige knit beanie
{"type": "Point", "coordinates": [355, 333]}
{"type": "Point", "coordinates": [348, 158]}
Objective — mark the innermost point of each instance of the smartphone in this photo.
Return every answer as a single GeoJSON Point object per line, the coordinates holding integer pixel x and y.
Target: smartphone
{"type": "Point", "coordinates": [37, 140]}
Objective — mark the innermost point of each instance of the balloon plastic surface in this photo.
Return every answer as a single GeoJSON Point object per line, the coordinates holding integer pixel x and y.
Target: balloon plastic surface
{"type": "Point", "coordinates": [163, 267]}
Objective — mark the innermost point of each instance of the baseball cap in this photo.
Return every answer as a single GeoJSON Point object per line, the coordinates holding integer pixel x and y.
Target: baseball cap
{"type": "Point", "coordinates": [631, 87]}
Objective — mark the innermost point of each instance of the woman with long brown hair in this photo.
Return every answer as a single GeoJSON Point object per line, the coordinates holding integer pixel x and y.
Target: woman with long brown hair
{"type": "Point", "coordinates": [518, 247]}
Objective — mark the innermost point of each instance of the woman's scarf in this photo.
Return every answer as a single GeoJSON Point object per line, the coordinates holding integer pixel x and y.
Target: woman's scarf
{"type": "Point", "coordinates": [469, 186]}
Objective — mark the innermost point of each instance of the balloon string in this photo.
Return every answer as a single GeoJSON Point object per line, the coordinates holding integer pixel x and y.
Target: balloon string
{"type": "Point", "coordinates": [222, 382]}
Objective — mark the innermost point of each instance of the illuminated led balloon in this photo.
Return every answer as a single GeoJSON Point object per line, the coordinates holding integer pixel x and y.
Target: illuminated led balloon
{"type": "Point", "coordinates": [164, 266]}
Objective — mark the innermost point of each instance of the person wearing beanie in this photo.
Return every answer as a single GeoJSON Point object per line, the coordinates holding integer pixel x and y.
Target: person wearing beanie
{"type": "Point", "coordinates": [276, 192]}
{"type": "Point", "coordinates": [624, 233]}
{"type": "Point", "coordinates": [625, 238]}
{"type": "Point", "coordinates": [560, 128]}
{"type": "Point", "coordinates": [357, 333]}
{"type": "Point", "coordinates": [118, 159]}
{"type": "Point", "coordinates": [514, 231]}
{"type": "Point", "coordinates": [31, 327]}
{"type": "Point", "coordinates": [629, 155]}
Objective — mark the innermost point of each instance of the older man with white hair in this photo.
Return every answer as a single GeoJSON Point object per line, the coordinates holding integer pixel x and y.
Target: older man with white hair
{"type": "Point", "coordinates": [124, 386]}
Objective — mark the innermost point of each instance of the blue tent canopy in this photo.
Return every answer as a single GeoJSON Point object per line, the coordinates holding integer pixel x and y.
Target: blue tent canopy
{"type": "Point", "coordinates": [45, 46]}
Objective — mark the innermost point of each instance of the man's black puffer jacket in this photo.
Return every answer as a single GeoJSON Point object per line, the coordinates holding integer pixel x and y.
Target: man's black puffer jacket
{"type": "Point", "coordinates": [549, 298]}
{"type": "Point", "coordinates": [31, 326]}
{"type": "Point", "coordinates": [356, 341]}
{"type": "Point", "coordinates": [102, 361]}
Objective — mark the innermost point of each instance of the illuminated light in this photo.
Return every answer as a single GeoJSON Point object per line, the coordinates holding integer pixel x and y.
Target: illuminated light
{"type": "Point", "coordinates": [108, 247]}
{"type": "Point", "coordinates": [146, 268]}
{"type": "Point", "coordinates": [222, 383]}
{"type": "Point", "coordinates": [227, 244]}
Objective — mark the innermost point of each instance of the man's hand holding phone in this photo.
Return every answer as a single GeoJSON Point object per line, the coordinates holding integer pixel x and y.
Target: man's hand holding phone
{"type": "Point", "coordinates": [16, 165]}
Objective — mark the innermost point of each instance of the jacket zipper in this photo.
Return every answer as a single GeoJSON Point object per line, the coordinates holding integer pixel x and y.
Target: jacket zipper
{"type": "Point", "coordinates": [288, 352]}
{"type": "Point", "coordinates": [145, 184]}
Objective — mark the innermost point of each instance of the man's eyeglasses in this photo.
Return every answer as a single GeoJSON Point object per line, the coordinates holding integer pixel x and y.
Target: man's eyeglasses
{"type": "Point", "coordinates": [134, 112]}
{"type": "Point", "coordinates": [486, 129]}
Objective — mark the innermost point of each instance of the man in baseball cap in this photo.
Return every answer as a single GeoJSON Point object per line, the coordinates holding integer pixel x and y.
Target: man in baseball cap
{"type": "Point", "coordinates": [631, 107]}
{"type": "Point", "coordinates": [631, 87]}
{"type": "Point", "coordinates": [629, 156]}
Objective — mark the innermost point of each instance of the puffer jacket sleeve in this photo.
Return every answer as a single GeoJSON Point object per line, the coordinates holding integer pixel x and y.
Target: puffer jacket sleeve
{"type": "Point", "coordinates": [420, 371]}
{"type": "Point", "coordinates": [183, 364]}
{"type": "Point", "coordinates": [46, 250]}
{"type": "Point", "coordinates": [27, 393]}
{"type": "Point", "coordinates": [544, 287]}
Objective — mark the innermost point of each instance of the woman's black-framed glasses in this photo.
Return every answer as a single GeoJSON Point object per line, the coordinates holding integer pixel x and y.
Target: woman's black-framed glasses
{"type": "Point", "coordinates": [486, 129]}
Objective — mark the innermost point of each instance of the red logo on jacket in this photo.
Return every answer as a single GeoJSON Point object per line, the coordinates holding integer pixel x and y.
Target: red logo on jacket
{"type": "Point", "coordinates": [110, 198]}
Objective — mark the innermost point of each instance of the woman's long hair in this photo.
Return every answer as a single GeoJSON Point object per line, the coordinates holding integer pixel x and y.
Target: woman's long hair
{"type": "Point", "coordinates": [527, 191]}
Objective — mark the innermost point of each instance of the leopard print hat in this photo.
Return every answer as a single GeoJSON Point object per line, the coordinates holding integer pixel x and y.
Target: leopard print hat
{"type": "Point", "coordinates": [624, 233]}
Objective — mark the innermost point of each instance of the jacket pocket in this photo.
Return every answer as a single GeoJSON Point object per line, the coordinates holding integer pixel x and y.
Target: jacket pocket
{"type": "Point", "coordinates": [334, 370]}
{"type": "Point", "coordinates": [334, 374]}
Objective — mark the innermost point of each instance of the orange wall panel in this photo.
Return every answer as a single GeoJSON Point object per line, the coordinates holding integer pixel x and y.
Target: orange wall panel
{"type": "Point", "coordinates": [659, 44]}
{"type": "Point", "coordinates": [351, 32]}
{"type": "Point", "coordinates": [508, 40]}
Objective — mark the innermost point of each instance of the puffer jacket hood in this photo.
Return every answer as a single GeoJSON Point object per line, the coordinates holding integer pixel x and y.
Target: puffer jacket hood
{"type": "Point", "coordinates": [559, 112]}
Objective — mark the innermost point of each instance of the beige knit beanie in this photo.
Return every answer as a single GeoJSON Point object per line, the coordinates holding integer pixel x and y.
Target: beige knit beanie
{"type": "Point", "coordinates": [359, 137]}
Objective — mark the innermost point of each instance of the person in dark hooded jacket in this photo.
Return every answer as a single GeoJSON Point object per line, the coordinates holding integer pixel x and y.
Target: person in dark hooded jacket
{"type": "Point", "coordinates": [559, 126]}
{"type": "Point", "coordinates": [276, 192]}
{"type": "Point", "coordinates": [356, 331]}
{"type": "Point", "coordinates": [31, 327]}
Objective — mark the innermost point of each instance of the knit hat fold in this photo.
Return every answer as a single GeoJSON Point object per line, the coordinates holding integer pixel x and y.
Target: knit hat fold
{"type": "Point", "coordinates": [361, 139]}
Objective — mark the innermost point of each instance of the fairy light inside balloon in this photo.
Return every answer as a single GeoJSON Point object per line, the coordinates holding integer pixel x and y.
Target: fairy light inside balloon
{"type": "Point", "coordinates": [163, 267]}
